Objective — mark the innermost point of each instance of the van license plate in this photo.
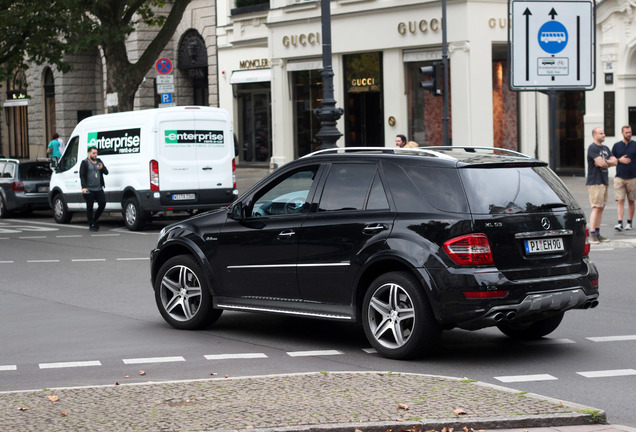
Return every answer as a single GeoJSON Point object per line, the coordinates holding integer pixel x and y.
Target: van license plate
{"type": "Point", "coordinates": [553, 244]}
{"type": "Point", "coordinates": [182, 197]}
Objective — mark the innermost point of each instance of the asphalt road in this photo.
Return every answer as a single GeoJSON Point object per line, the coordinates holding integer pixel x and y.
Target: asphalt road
{"type": "Point", "coordinates": [77, 308]}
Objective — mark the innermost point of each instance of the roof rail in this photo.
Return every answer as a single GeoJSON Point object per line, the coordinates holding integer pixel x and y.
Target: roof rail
{"type": "Point", "coordinates": [471, 149]}
{"type": "Point", "coordinates": [385, 150]}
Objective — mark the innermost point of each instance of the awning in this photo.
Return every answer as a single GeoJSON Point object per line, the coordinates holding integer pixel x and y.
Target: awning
{"type": "Point", "coordinates": [304, 65]}
{"type": "Point", "coordinates": [251, 76]}
{"type": "Point", "coordinates": [16, 102]}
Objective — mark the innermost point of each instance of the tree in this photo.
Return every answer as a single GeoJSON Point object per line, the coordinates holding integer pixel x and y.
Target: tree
{"type": "Point", "coordinates": [42, 32]}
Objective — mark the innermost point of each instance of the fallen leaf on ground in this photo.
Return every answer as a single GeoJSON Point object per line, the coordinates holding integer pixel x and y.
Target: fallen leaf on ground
{"type": "Point", "coordinates": [459, 411]}
{"type": "Point", "coordinates": [403, 407]}
{"type": "Point", "coordinates": [214, 374]}
{"type": "Point", "coordinates": [127, 376]}
{"type": "Point", "coordinates": [142, 372]}
{"type": "Point", "coordinates": [23, 409]}
{"type": "Point", "coordinates": [53, 398]}
{"type": "Point", "coordinates": [63, 414]}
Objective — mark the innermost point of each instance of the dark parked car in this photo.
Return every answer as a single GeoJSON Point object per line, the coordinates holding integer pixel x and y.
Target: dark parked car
{"type": "Point", "coordinates": [409, 242]}
{"type": "Point", "coordinates": [24, 185]}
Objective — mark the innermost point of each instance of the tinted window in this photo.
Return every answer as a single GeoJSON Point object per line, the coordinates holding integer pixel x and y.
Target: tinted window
{"type": "Point", "coordinates": [347, 187]}
{"type": "Point", "coordinates": [515, 190]}
{"type": "Point", "coordinates": [440, 186]}
{"type": "Point", "coordinates": [35, 171]}
{"type": "Point", "coordinates": [377, 196]}
{"type": "Point", "coordinates": [287, 196]}
{"type": "Point", "coordinates": [406, 196]}
{"type": "Point", "coordinates": [69, 159]}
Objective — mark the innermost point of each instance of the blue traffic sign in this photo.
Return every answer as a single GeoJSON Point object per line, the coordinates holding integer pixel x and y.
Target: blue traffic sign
{"type": "Point", "coordinates": [166, 98]}
{"type": "Point", "coordinates": [553, 37]}
{"type": "Point", "coordinates": [163, 66]}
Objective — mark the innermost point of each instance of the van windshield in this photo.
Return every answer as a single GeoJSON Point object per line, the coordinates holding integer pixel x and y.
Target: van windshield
{"type": "Point", "coordinates": [515, 190]}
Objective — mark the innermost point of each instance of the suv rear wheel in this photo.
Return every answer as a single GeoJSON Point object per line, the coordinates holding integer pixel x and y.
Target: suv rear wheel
{"type": "Point", "coordinates": [397, 317]}
{"type": "Point", "coordinates": [60, 210]}
{"type": "Point", "coordinates": [181, 295]}
{"type": "Point", "coordinates": [134, 218]}
{"type": "Point", "coordinates": [533, 330]}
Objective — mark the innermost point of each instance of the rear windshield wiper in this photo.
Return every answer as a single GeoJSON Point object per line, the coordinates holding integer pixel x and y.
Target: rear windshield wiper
{"type": "Point", "coordinates": [548, 206]}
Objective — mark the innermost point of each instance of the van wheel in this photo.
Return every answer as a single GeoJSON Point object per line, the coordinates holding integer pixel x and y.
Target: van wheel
{"type": "Point", "coordinates": [397, 318]}
{"type": "Point", "coordinates": [183, 296]}
{"type": "Point", "coordinates": [133, 216]}
{"type": "Point", "coordinates": [532, 330]}
{"type": "Point", "coordinates": [3, 208]}
{"type": "Point", "coordinates": [60, 210]}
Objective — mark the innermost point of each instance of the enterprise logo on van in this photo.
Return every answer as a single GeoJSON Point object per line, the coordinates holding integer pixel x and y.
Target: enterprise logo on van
{"type": "Point", "coordinates": [122, 141]}
{"type": "Point", "coordinates": [194, 137]}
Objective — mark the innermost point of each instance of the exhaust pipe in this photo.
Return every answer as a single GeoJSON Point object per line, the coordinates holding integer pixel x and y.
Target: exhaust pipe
{"type": "Point", "coordinates": [593, 303]}
{"type": "Point", "coordinates": [511, 315]}
{"type": "Point", "coordinates": [498, 316]}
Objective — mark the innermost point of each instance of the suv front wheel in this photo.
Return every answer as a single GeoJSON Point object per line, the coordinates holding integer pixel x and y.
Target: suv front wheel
{"type": "Point", "coordinates": [182, 295]}
{"type": "Point", "coordinates": [397, 317]}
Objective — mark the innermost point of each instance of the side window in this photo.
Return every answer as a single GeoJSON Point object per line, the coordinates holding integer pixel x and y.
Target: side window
{"type": "Point", "coordinates": [9, 170]}
{"type": "Point", "coordinates": [288, 196]}
{"type": "Point", "coordinates": [347, 187]}
{"type": "Point", "coordinates": [377, 196]}
{"type": "Point", "coordinates": [69, 159]}
{"type": "Point", "coordinates": [1, 168]}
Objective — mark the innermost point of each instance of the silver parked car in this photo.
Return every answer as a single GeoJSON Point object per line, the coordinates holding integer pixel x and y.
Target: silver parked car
{"type": "Point", "coordinates": [24, 185]}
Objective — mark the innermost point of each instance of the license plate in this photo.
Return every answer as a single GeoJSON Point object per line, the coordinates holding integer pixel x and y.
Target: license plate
{"type": "Point", "coordinates": [182, 197]}
{"type": "Point", "coordinates": [552, 244]}
{"type": "Point", "coordinates": [43, 188]}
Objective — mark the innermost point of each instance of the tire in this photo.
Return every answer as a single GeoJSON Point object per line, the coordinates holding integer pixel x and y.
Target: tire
{"type": "Point", "coordinates": [533, 330]}
{"type": "Point", "coordinates": [183, 296]}
{"type": "Point", "coordinates": [134, 218]}
{"type": "Point", "coordinates": [4, 213]}
{"type": "Point", "coordinates": [60, 210]}
{"type": "Point", "coordinates": [397, 317]}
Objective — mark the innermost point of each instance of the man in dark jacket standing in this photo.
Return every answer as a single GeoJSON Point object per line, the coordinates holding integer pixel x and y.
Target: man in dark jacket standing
{"type": "Point", "coordinates": [92, 171]}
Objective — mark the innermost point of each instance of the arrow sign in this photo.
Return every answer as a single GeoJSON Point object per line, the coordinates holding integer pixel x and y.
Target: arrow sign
{"type": "Point", "coordinates": [552, 13]}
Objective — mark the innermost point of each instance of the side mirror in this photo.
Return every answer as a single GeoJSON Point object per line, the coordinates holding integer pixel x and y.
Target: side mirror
{"type": "Point", "coordinates": [235, 211]}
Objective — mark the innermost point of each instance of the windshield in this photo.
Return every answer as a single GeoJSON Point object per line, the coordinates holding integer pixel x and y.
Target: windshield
{"type": "Point", "coordinates": [515, 190]}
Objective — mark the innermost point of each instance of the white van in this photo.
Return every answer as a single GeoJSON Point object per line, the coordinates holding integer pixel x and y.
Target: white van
{"type": "Point", "coordinates": [159, 160]}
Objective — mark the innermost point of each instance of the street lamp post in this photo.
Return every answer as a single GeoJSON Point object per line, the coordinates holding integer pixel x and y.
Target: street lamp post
{"type": "Point", "coordinates": [328, 114]}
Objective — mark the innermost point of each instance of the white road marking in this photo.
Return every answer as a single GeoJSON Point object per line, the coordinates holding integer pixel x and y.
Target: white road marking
{"type": "Point", "coordinates": [8, 368]}
{"type": "Point", "coordinates": [234, 356]}
{"type": "Point", "coordinates": [70, 236]}
{"type": "Point", "coordinates": [313, 353]}
{"type": "Point", "coordinates": [370, 350]}
{"type": "Point", "coordinates": [105, 235]}
{"type": "Point", "coordinates": [612, 338]}
{"type": "Point", "coordinates": [608, 373]}
{"type": "Point", "coordinates": [525, 378]}
{"type": "Point", "coordinates": [6, 262]}
{"type": "Point", "coordinates": [87, 259]}
{"type": "Point", "coordinates": [548, 342]}
{"type": "Point", "coordinates": [70, 364]}
{"type": "Point", "coordinates": [31, 237]}
{"type": "Point", "coordinates": [153, 360]}
{"type": "Point", "coordinates": [133, 259]}
{"type": "Point", "coordinates": [44, 261]}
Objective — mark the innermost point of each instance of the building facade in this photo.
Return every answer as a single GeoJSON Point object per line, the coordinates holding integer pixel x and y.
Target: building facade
{"type": "Point", "coordinates": [263, 64]}
{"type": "Point", "coordinates": [41, 100]}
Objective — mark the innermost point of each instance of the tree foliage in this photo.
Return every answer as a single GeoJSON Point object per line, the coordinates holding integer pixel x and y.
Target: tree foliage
{"type": "Point", "coordinates": [45, 32]}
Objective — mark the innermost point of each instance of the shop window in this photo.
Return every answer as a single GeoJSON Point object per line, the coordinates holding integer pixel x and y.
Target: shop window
{"type": "Point", "coordinates": [504, 108]}
{"type": "Point", "coordinates": [425, 110]}
{"type": "Point", "coordinates": [364, 107]}
{"type": "Point", "coordinates": [17, 116]}
{"type": "Point", "coordinates": [570, 137]}
{"type": "Point", "coordinates": [307, 97]}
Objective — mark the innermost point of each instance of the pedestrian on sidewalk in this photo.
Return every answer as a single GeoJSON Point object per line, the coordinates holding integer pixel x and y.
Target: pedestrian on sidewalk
{"type": "Point", "coordinates": [599, 158]}
{"type": "Point", "coordinates": [92, 171]}
{"type": "Point", "coordinates": [625, 181]}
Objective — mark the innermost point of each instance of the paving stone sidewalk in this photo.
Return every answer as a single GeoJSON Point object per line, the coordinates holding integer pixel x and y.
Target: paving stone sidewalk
{"type": "Point", "coordinates": [367, 401]}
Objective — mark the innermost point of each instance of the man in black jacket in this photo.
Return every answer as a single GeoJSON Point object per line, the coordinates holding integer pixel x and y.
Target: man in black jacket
{"type": "Point", "coordinates": [92, 171]}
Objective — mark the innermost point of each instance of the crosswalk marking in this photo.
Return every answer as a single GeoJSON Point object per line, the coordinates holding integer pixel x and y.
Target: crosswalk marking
{"type": "Point", "coordinates": [612, 338]}
{"type": "Point", "coordinates": [525, 378]}
{"type": "Point", "coordinates": [60, 365]}
{"type": "Point", "coordinates": [608, 373]}
{"type": "Point", "coordinates": [234, 356]}
{"type": "Point", "coordinates": [153, 360]}
{"type": "Point", "coordinates": [313, 353]}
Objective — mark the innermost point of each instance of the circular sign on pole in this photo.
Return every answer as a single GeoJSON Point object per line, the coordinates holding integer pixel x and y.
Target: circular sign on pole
{"type": "Point", "coordinates": [163, 66]}
{"type": "Point", "coordinates": [553, 37]}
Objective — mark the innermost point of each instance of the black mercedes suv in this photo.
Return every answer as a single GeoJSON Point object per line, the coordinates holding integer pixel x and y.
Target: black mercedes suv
{"type": "Point", "coordinates": [408, 241]}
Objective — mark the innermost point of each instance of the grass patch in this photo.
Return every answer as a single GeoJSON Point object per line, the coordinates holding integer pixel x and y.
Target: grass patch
{"type": "Point", "coordinates": [595, 415]}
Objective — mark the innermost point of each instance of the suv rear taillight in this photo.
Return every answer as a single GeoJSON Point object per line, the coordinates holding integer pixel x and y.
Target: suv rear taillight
{"type": "Point", "coordinates": [469, 250]}
{"type": "Point", "coordinates": [17, 186]}
{"type": "Point", "coordinates": [233, 173]}
{"type": "Point", "coordinates": [586, 246]}
{"type": "Point", "coordinates": [154, 175]}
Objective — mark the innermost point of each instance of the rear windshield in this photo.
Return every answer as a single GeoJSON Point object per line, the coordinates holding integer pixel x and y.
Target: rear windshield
{"type": "Point", "coordinates": [35, 171]}
{"type": "Point", "coordinates": [515, 190]}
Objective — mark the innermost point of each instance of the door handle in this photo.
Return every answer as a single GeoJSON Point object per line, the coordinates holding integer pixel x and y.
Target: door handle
{"type": "Point", "coordinates": [374, 228]}
{"type": "Point", "coordinates": [285, 234]}
{"type": "Point", "coordinates": [206, 168]}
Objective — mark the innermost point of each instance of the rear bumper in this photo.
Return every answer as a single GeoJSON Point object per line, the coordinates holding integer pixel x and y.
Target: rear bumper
{"type": "Point", "coordinates": [203, 200]}
{"type": "Point", "coordinates": [521, 300]}
{"type": "Point", "coordinates": [24, 201]}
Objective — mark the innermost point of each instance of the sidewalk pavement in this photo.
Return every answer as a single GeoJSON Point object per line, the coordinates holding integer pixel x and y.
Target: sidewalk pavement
{"type": "Point", "coordinates": [316, 402]}
{"type": "Point", "coordinates": [321, 401]}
